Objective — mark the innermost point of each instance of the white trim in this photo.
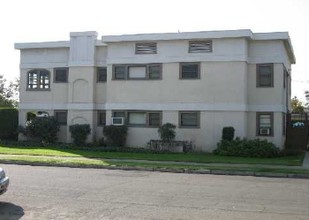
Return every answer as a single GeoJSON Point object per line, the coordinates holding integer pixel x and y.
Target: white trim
{"type": "Point", "coordinates": [36, 45]}
{"type": "Point", "coordinates": [157, 106]}
{"type": "Point", "coordinates": [43, 65]}
{"type": "Point", "coordinates": [178, 36]}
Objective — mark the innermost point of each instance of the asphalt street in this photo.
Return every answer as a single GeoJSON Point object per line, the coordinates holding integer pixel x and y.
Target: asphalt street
{"type": "Point", "coordinates": [38, 192]}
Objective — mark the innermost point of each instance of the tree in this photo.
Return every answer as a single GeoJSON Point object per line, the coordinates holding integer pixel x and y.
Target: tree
{"type": "Point", "coordinates": [8, 93]}
{"type": "Point", "coordinates": [307, 98]}
{"type": "Point", "coordinates": [297, 105]}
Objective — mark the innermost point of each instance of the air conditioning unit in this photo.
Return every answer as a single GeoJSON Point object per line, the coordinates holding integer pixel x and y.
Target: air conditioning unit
{"type": "Point", "coordinates": [118, 121]}
{"type": "Point", "coordinates": [264, 131]}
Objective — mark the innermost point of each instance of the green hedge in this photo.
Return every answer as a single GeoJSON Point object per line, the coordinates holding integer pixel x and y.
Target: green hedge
{"type": "Point", "coordinates": [8, 123]}
{"type": "Point", "coordinates": [247, 148]}
{"type": "Point", "coordinates": [79, 133]}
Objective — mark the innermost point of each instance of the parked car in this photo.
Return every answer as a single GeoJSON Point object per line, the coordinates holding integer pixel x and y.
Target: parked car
{"type": "Point", "coordinates": [4, 181]}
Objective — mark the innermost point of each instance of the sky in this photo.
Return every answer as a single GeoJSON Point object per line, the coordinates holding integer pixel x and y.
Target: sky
{"type": "Point", "coordinates": [53, 20]}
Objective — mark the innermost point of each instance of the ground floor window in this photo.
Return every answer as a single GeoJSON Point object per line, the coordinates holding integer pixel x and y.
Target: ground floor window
{"type": "Point", "coordinates": [189, 119]}
{"type": "Point", "coordinates": [140, 118]}
{"type": "Point", "coordinates": [61, 116]}
{"type": "Point", "coordinates": [101, 117]}
{"type": "Point", "coordinates": [265, 123]}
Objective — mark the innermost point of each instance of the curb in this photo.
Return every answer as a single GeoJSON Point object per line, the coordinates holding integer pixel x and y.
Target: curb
{"type": "Point", "coordinates": [170, 170]}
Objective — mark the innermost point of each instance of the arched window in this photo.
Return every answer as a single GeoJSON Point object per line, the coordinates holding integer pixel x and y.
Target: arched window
{"type": "Point", "coordinates": [38, 79]}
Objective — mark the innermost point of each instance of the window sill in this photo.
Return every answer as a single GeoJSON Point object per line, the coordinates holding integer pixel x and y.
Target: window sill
{"type": "Point", "coordinates": [39, 90]}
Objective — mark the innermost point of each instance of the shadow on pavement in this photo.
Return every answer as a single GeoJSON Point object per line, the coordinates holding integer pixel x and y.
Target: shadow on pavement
{"type": "Point", "coordinates": [9, 211]}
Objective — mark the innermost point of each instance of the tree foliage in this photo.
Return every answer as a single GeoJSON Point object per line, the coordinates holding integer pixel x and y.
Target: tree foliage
{"type": "Point", "coordinates": [167, 132]}
{"type": "Point", "coordinates": [44, 129]}
{"type": "Point", "coordinates": [8, 93]}
{"type": "Point", "coordinates": [297, 105]}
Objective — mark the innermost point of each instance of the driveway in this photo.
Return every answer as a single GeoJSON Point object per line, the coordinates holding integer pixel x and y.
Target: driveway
{"type": "Point", "coordinates": [69, 193]}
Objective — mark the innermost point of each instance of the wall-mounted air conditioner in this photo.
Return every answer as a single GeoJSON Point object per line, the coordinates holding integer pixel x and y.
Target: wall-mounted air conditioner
{"type": "Point", "coordinates": [118, 121]}
{"type": "Point", "coordinates": [264, 131]}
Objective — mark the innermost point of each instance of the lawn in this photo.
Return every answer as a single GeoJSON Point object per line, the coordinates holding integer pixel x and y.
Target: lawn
{"type": "Point", "coordinates": [176, 157]}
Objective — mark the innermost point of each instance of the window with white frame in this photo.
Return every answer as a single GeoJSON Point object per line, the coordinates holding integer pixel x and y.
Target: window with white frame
{"type": "Point", "coordinates": [265, 75]}
{"type": "Point", "coordinates": [38, 79]}
{"type": "Point", "coordinates": [264, 124]}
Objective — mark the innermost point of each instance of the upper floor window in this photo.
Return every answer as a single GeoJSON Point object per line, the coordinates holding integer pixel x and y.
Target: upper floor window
{"type": "Point", "coordinates": [189, 71]}
{"type": "Point", "coordinates": [264, 123]}
{"type": "Point", "coordinates": [101, 74]}
{"type": "Point", "coordinates": [61, 75]}
{"type": "Point", "coordinates": [137, 71]}
{"type": "Point", "coordinates": [38, 79]}
{"type": "Point", "coordinates": [200, 46]}
{"type": "Point", "coordinates": [146, 48]}
{"type": "Point", "coordinates": [265, 75]}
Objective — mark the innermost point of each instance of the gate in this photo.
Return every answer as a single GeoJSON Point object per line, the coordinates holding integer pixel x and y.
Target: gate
{"type": "Point", "coordinates": [297, 131]}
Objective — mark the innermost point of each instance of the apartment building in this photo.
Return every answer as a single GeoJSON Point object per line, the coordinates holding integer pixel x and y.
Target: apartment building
{"type": "Point", "coordinates": [199, 81]}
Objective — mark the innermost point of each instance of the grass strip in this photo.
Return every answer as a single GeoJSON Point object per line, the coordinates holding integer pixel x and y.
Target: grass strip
{"type": "Point", "coordinates": [99, 163]}
{"type": "Point", "coordinates": [177, 157]}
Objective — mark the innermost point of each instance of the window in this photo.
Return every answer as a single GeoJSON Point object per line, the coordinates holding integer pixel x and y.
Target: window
{"type": "Point", "coordinates": [101, 74]}
{"type": "Point", "coordinates": [101, 118]}
{"type": "Point", "coordinates": [154, 119]}
{"type": "Point", "coordinates": [145, 48]}
{"type": "Point", "coordinates": [200, 46]}
{"type": "Point", "coordinates": [38, 80]}
{"type": "Point", "coordinates": [189, 70]}
{"type": "Point", "coordinates": [136, 72]}
{"type": "Point", "coordinates": [189, 119]}
{"type": "Point", "coordinates": [265, 75]}
{"type": "Point", "coordinates": [140, 118]}
{"type": "Point", "coordinates": [154, 71]}
{"type": "Point", "coordinates": [61, 75]}
{"type": "Point", "coordinates": [137, 118]}
{"type": "Point", "coordinates": [264, 124]}
{"type": "Point", "coordinates": [119, 72]}
{"type": "Point", "coordinates": [61, 116]}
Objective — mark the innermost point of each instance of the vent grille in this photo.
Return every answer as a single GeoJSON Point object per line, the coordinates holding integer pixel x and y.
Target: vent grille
{"type": "Point", "coordinates": [200, 46]}
{"type": "Point", "coordinates": [146, 48]}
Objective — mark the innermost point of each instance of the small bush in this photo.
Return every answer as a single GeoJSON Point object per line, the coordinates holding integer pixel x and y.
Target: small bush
{"type": "Point", "coordinates": [247, 148]}
{"type": "Point", "coordinates": [79, 133]}
{"type": "Point", "coordinates": [45, 129]}
{"type": "Point", "coordinates": [115, 135]}
{"type": "Point", "coordinates": [167, 132]}
{"type": "Point", "coordinates": [228, 133]}
{"type": "Point", "coordinates": [8, 124]}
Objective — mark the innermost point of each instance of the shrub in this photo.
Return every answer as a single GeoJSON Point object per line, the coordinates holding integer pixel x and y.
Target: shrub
{"type": "Point", "coordinates": [43, 128]}
{"type": "Point", "coordinates": [115, 135]}
{"type": "Point", "coordinates": [167, 132]}
{"type": "Point", "coordinates": [247, 148]}
{"type": "Point", "coordinates": [79, 133]}
{"type": "Point", "coordinates": [9, 124]}
{"type": "Point", "coordinates": [228, 133]}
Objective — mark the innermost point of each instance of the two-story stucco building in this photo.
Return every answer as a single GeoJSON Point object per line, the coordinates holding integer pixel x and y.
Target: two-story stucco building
{"type": "Point", "coordinates": [199, 81]}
